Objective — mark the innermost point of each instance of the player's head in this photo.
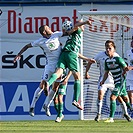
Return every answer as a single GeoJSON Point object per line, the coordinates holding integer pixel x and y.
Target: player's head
{"type": "Point", "coordinates": [45, 31]}
{"type": "Point", "coordinates": [110, 47]}
{"type": "Point", "coordinates": [110, 43]}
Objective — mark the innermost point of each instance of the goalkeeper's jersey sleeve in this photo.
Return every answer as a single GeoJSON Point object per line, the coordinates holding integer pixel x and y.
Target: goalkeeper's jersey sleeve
{"type": "Point", "coordinates": [73, 44]}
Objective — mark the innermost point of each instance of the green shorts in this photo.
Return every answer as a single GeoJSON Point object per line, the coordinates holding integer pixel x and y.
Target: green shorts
{"type": "Point", "coordinates": [68, 60]}
{"type": "Point", "coordinates": [120, 89]}
{"type": "Point", "coordinates": [62, 89]}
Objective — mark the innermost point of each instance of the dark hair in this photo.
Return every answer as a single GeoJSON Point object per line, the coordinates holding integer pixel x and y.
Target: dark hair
{"type": "Point", "coordinates": [109, 42]}
{"type": "Point", "coordinates": [41, 29]}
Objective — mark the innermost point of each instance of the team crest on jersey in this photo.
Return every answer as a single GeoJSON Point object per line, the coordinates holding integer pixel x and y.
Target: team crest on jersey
{"type": "Point", "coordinates": [112, 65]}
{"type": "Point", "coordinates": [51, 46]}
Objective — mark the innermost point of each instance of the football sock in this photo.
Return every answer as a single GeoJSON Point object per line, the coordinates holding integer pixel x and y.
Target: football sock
{"type": "Point", "coordinates": [52, 79]}
{"type": "Point", "coordinates": [99, 106]}
{"type": "Point", "coordinates": [124, 108]}
{"type": "Point", "coordinates": [112, 108]}
{"type": "Point", "coordinates": [50, 98]}
{"type": "Point", "coordinates": [128, 105]}
{"type": "Point", "coordinates": [60, 109]}
{"type": "Point", "coordinates": [56, 107]}
{"type": "Point", "coordinates": [36, 96]}
{"type": "Point", "coordinates": [76, 90]}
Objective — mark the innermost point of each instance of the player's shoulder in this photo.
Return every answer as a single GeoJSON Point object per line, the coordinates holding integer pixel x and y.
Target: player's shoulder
{"type": "Point", "coordinates": [116, 54]}
{"type": "Point", "coordinates": [57, 33]}
{"type": "Point", "coordinates": [77, 31]}
{"type": "Point", "coordinates": [118, 58]}
{"type": "Point", "coordinates": [102, 53]}
{"type": "Point", "coordinates": [38, 41]}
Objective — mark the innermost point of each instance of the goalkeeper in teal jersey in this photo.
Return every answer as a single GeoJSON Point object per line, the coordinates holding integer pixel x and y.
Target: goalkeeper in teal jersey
{"type": "Point", "coordinates": [69, 59]}
{"type": "Point", "coordinates": [118, 68]}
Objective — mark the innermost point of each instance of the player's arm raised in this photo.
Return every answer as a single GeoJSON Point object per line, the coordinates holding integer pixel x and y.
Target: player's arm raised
{"type": "Point", "coordinates": [79, 24]}
{"type": "Point", "coordinates": [18, 56]}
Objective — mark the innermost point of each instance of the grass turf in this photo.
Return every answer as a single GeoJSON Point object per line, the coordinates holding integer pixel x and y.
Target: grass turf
{"type": "Point", "coordinates": [66, 126]}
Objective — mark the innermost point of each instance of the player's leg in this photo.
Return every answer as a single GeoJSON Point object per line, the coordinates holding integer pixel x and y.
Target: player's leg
{"type": "Point", "coordinates": [113, 97]}
{"type": "Point", "coordinates": [125, 103]}
{"type": "Point", "coordinates": [77, 90]}
{"type": "Point", "coordinates": [52, 93]}
{"type": "Point", "coordinates": [61, 66]}
{"type": "Point", "coordinates": [55, 76]}
{"type": "Point", "coordinates": [124, 109]}
{"type": "Point", "coordinates": [130, 94]}
{"type": "Point", "coordinates": [61, 93]}
{"type": "Point", "coordinates": [117, 91]}
{"type": "Point", "coordinates": [56, 102]}
{"type": "Point", "coordinates": [35, 98]}
{"type": "Point", "coordinates": [50, 98]}
{"type": "Point", "coordinates": [125, 98]}
{"type": "Point", "coordinates": [129, 88]}
{"type": "Point", "coordinates": [76, 86]}
{"type": "Point", "coordinates": [73, 65]}
{"type": "Point", "coordinates": [112, 108]}
{"type": "Point", "coordinates": [101, 91]}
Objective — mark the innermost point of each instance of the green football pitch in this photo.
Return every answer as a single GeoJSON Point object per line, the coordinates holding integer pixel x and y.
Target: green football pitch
{"type": "Point", "coordinates": [66, 126]}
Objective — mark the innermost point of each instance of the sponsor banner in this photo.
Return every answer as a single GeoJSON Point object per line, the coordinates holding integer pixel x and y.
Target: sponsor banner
{"type": "Point", "coordinates": [19, 26]}
{"type": "Point", "coordinates": [16, 97]}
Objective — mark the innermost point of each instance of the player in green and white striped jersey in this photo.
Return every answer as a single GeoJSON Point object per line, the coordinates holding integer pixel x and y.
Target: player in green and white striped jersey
{"type": "Point", "coordinates": [118, 67]}
{"type": "Point", "coordinates": [108, 84]}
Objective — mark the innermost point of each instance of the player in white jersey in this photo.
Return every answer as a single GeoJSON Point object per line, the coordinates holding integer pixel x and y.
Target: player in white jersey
{"type": "Point", "coordinates": [109, 83]}
{"type": "Point", "coordinates": [129, 77]}
{"type": "Point", "coordinates": [50, 44]}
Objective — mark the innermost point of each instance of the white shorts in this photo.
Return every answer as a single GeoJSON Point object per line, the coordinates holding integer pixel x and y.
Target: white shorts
{"type": "Point", "coordinates": [48, 71]}
{"type": "Point", "coordinates": [129, 85]}
{"type": "Point", "coordinates": [105, 86]}
{"type": "Point", "coordinates": [108, 84]}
